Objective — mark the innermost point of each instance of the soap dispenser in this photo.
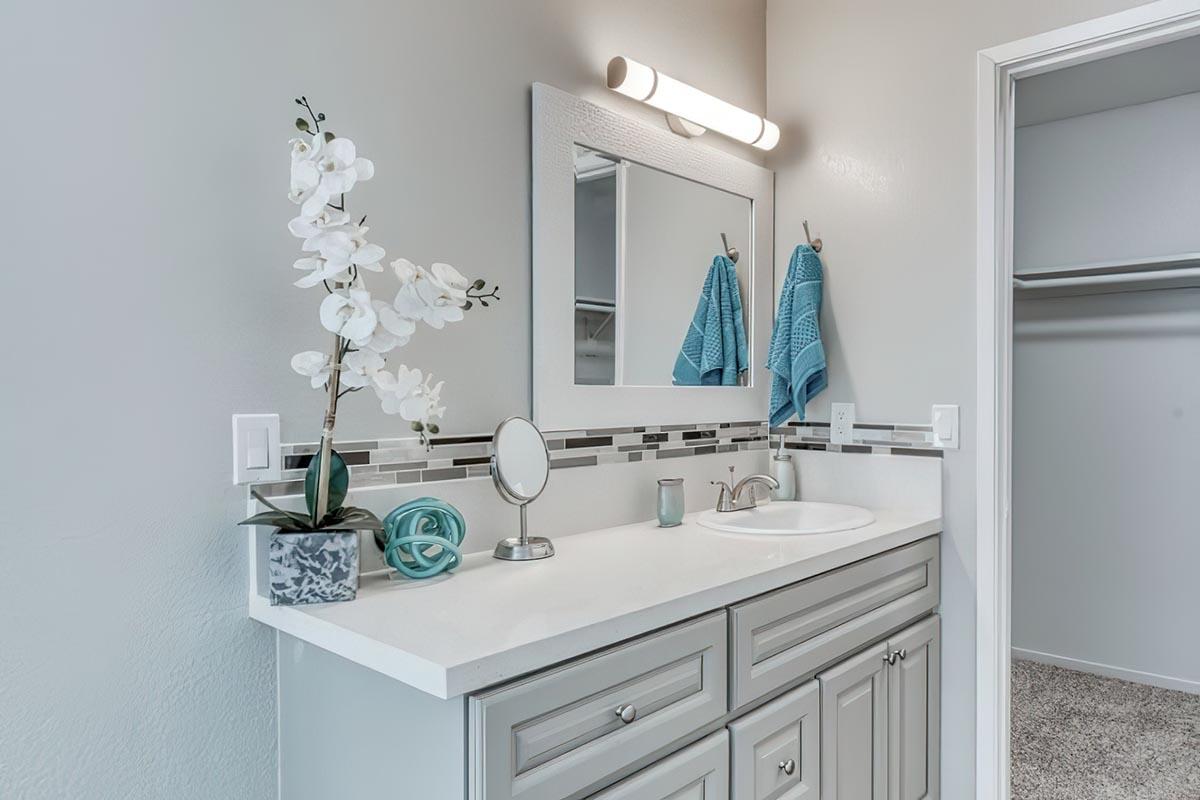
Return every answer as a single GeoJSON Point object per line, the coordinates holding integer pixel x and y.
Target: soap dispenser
{"type": "Point", "coordinates": [783, 470]}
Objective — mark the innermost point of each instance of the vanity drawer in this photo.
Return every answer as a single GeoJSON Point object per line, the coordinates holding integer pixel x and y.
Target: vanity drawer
{"type": "Point", "coordinates": [560, 732]}
{"type": "Point", "coordinates": [790, 633]}
{"type": "Point", "coordinates": [699, 772]}
{"type": "Point", "coordinates": [775, 751]}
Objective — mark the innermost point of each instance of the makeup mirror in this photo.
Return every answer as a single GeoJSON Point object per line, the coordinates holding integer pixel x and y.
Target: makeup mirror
{"type": "Point", "coordinates": [520, 469]}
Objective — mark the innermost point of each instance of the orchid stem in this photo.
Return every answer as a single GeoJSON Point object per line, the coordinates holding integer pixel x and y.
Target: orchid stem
{"type": "Point", "coordinates": [322, 506]}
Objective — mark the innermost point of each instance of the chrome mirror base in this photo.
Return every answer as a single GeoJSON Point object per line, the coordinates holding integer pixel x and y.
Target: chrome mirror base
{"type": "Point", "coordinates": [529, 548]}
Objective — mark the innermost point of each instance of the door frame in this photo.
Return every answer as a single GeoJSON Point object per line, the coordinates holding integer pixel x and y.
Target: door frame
{"type": "Point", "coordinates": [998, 70]}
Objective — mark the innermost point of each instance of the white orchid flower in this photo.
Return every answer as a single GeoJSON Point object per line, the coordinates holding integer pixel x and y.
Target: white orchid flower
{"type": "Point", "coordinates": [313, 365]}
{"type": "Point", "coordinates": [350, 315]}
{"type": "Point", "coordinates": [305, 177]}
{"type": "Point", "coordinates": [394, 390]}
{"type": "Point", "coordinates": [320, 270]}
{"type": "Point", "coordinates": [392, 331]}
{"type": "Point", "coordinates": [435, 296]}
{"type": "Point", "coordinates": [360, 366]}
{"type": "Point", "coordinates": [305, 227]}
{"type": "Point", "coordinates": [338, 169]}
{"type": "Point", "coordinates": [424, 403]}
{"type": "Point", "coordinates": [345, 245]}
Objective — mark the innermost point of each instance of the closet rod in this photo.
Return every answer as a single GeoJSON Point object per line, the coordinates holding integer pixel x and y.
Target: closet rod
{"type": "Point", "coordinates": [1107, 278]}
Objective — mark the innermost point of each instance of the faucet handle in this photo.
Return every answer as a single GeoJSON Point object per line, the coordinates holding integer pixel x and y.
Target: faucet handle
{"type": "Point", "coordinates": [731, 481]}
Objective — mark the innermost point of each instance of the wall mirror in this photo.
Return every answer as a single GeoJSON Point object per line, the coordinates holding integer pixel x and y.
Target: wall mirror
{"type": "Point", "coordinates": [652, 273]}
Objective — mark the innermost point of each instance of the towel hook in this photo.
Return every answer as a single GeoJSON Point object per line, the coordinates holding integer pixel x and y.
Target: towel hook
{"type": "Point", "coordinates": [815, 244]}
{"type": "Point", "coordinates": [732, 252]}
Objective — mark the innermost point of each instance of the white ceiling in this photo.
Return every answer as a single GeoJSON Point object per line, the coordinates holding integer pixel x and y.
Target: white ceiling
{"type": "Point", "coordinates": [1141, 76]}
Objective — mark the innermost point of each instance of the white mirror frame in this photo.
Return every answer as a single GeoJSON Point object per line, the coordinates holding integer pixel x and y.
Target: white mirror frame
{"type": "Point", "coordinates": [560, 121]}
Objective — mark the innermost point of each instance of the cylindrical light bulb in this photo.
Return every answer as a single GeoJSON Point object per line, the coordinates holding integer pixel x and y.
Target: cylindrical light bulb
{"type": "Point", "coordinates": [652, 87]}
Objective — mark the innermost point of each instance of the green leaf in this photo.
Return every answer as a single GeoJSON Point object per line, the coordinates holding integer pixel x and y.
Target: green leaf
{"type": "Point", "coordinates": [339, 482]}
{"type": "Point", "coordinates": [467, 305]}
{"type": "Point", "coordinates": [478, 284]}
{"type": "Point", "coordinates": [351, 519]}
{"type": "Point", "coordinates": [329, 137]}
{"type": "Point", "coordinates": [284, 520]}
{"type": "Point", "coordinates": [302, 124]}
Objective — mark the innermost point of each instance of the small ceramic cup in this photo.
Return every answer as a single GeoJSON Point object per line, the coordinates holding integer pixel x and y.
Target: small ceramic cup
{"type": "Point", "coordinates": [670, 502]}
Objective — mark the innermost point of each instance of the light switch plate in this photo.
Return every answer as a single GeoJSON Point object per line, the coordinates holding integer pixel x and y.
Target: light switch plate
{"type": "Point", "coordinates": [945, 427]}
{"type": "Point", "coordinates": [256, 452]}
{"type": "Point", "coordinates": [841, 423]}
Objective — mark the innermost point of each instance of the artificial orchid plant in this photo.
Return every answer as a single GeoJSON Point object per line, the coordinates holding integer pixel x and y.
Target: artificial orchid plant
{"type": "Point", "coordinates": [324, 169]}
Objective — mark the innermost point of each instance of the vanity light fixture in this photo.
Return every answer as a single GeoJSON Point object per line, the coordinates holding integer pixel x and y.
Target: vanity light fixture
{"type": "Point", "coordinates": [689, 111]}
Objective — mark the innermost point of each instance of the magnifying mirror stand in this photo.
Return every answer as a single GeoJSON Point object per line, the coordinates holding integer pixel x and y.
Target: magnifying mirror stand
{"type": "Point", "coordinates": [524, 547]}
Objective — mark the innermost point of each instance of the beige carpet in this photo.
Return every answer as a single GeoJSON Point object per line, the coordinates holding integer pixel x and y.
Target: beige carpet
{"type": "Point", "coordinates": [1077, 736]}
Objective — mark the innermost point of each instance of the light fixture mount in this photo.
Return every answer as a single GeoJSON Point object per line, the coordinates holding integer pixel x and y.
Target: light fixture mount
{"type": "Point", "coordinates": [683, 127]}
{"type": "Point", "coordinates": [689, 111]}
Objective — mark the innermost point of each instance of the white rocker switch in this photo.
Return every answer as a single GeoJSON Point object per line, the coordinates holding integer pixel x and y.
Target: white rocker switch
{"type": "Point", "coordinates": [945, 427]}
{"type": "Point", "coordinates": [256, 453]}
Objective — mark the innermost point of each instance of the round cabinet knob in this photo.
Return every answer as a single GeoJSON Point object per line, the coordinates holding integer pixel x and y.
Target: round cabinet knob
{"type": "Point", "coordinates": [627, 713]}
{"type": "Point", "coordinates": [788, 767]}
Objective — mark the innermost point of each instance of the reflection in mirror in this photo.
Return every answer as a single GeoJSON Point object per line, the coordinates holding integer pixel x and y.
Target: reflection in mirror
{"type": "Point", "coordinates": [657, 301]}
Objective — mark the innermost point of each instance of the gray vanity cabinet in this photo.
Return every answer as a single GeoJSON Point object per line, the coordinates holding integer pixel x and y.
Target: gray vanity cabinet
{"type": "Point", "coordinates": [914, 712]}
{"type": "Point", "coordinates": [787, 635]}
{"type": "Point", "coordinates": [775, 750]}
{"type": "Point", "coordinates": [854, 727]}
{"type": "Point", "coordinates": [699, 772]}
{"type": "Point", "coordinates": [879, 720]}
{"type": "Point", "coordinates": [561, 732]}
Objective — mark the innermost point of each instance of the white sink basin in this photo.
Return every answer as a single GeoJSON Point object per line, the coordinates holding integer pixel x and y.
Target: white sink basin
{"type": "Point", "coordinates": [788, 518]}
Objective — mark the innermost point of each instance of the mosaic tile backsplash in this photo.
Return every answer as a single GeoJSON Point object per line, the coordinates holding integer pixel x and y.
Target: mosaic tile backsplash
{"type": "Point", "coordinates": [388, 462]}
{"type": "Point", "coordinates": [909, 440]}
{"type": "Point", "coordinates": [398, 461]}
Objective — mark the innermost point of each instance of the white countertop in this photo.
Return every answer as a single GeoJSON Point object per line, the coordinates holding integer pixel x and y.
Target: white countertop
{"type": "Point", "coordinates": [600, 588]}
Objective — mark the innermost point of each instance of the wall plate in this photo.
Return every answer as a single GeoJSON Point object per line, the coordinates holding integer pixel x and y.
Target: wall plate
{"type": "Point", "coordinates": [841, 423]}
{"type": "Point", "coordinates": [945, 427]}
{"type": "Point", "coordinates": [256, 451]}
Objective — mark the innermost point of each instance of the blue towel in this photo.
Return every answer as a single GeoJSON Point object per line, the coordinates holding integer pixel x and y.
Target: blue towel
{"type": "Point", "coordinates": [714, 348]}
{"type": "Point", "coordinates": [797, 357]}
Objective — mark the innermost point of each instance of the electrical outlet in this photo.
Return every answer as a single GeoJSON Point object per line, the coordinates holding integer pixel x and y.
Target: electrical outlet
{"type": "Point", "coordinates": [841, 423]}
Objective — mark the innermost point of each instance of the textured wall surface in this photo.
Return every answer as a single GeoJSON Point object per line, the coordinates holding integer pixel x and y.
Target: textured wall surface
{"type": "Point", "coordinates": [150, 298]}
{"type": "Point", "coordinates": [877, 103]}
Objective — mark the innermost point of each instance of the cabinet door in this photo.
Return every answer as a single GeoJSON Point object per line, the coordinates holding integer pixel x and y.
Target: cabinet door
{"type": "Point", "coordinates": [775, 750]}
{"type": "Point", "coordinates": [914, 689]}
{"type": "Point", "coordinates": [699, 772]}
{"type": "Point", "coordinates": [854, 727]}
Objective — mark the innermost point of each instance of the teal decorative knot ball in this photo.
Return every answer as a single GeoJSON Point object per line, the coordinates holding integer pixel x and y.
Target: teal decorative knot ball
{"type": "Point", "coordinates": [418, 528]}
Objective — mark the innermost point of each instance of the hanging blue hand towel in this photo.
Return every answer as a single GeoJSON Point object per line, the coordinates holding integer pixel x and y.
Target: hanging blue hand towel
{"type": "Point", "coordinates": [714, 348]}
{"type": "Point", "coordinates": [797, 357]}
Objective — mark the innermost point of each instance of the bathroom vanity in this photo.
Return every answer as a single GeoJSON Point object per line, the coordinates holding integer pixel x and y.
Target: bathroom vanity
{"type": "Point", "coordinates": [639, 662]}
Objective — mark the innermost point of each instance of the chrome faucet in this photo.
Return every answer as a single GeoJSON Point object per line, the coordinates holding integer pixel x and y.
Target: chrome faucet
{"type": "Point", "coordinates": [730, 498]}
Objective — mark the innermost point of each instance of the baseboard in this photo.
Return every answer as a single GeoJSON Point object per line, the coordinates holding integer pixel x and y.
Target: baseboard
{"type": "Point", "coordinates": [1108, 671]}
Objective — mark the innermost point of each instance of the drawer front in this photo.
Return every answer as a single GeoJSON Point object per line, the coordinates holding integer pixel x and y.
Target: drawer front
{"type": "Point", "coordinates": [699, 772]}
{"type": "Point", "coordinates": [775, 751]}
{"type": "Point", "coordinates": [561, 732]}
{"type": "Point", "coordinates": [788, 634]}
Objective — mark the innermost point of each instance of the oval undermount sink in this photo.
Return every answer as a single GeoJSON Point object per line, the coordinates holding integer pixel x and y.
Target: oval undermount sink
{"type": "Point", "coordinates": [782, 518]}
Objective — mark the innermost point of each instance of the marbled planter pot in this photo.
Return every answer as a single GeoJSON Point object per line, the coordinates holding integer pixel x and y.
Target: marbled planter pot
{"type": "Point", "coordinates": [313, 567]}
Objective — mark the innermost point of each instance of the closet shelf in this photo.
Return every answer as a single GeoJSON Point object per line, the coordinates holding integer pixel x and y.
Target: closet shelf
{"type": "Point", "coordinates": [1174, 271]}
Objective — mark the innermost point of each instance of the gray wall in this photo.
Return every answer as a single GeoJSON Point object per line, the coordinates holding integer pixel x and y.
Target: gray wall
{"type": "Point", "coordinates": [1106, 417]}
{"type": "Point", "coordinates": [1106, 396]}
{"type": "Point", "coordinates": [877, 102]}
{"type": "Point", "coordinates": [1110, 185]}
{"type": "Point", "coordinates": [150, 299]}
